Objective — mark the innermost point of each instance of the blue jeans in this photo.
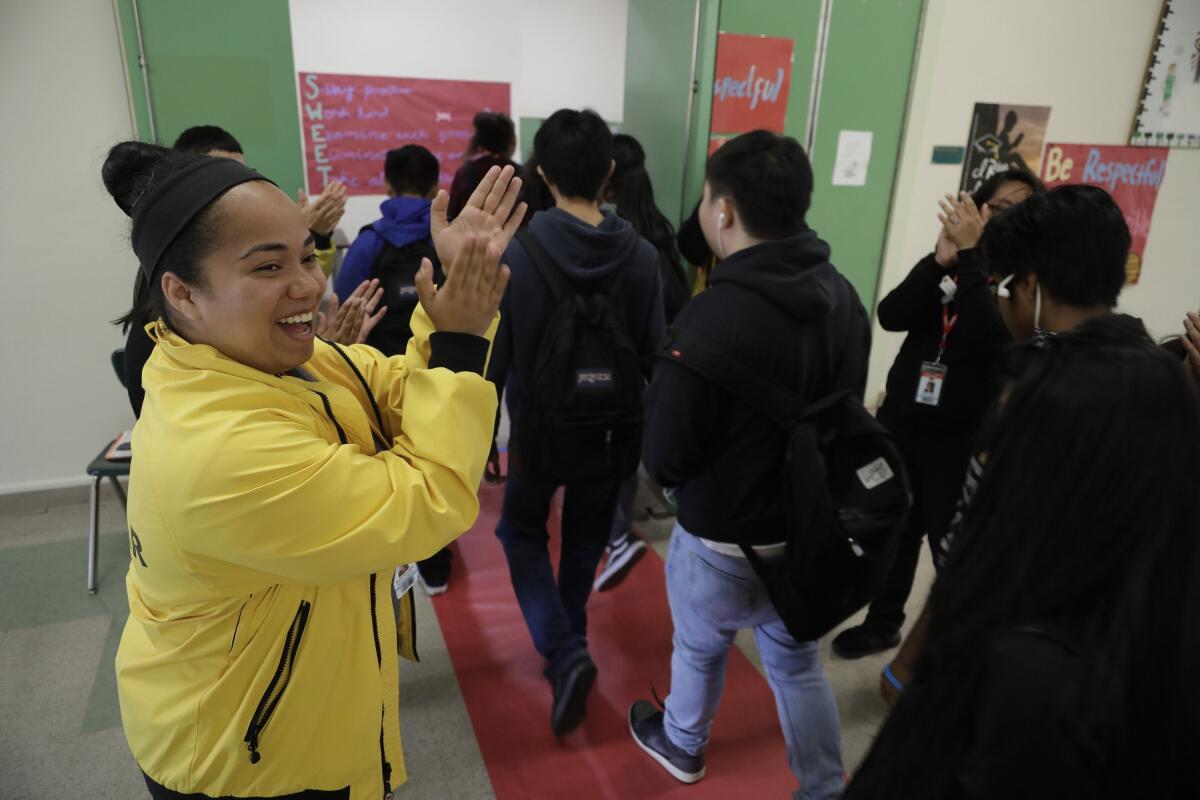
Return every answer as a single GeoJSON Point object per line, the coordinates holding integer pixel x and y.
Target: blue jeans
{"type": "Point", "coordinates": [713, 596]}
{"type": "Point", "coordinates": [555, 610]}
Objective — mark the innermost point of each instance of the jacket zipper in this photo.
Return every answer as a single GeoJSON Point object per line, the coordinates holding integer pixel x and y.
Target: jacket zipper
{"type": "Point", "coordinates": [387, 768]}
{"type": "Point", "coordinates": [279, 682]}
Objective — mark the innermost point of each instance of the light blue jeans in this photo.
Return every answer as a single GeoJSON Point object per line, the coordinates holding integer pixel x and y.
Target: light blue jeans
{"type": "Point", "coordinates": [713, 596]}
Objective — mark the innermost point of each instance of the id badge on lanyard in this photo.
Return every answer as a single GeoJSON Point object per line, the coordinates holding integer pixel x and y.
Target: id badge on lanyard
{"type": "Point", "coordinates": [933, 373]}
{"type": "Point", "coordinates": [402, 581]}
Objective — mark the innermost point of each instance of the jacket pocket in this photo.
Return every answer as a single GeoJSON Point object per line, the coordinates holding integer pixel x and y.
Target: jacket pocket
{"type": "Point", "coordinates": [279, 682]}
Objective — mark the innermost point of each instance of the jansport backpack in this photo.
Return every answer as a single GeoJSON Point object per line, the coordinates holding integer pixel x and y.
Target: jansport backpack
{"type": "Point", "coordinates": [396, 268]}
{"type": "Point", "coordinates": [846, 491]}
{"type": "Point", "coordinates": [581, 409]}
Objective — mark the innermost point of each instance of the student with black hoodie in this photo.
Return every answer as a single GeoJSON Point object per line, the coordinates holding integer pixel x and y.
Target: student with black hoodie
{"type": "Point", "coordinates": [589, 248]}
{"type": "Point", "coordinates": [954, 337]}
{"type": "Point", "coordinates": [776, 304]}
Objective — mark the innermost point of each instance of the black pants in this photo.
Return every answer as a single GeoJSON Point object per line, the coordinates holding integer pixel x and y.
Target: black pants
{"type": "Point", "coordinates": [936, 468]}
{"type": "Point", "coordinates": [162, 793]}
{"type": "Point", "coordinates": [436, 569]}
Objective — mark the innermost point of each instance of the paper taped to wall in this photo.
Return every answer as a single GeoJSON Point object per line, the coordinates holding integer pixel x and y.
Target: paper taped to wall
{"type": "Point", "coordinates": [853, 158]}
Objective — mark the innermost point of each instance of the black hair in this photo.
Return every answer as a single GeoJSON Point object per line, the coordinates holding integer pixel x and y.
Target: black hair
{"type": "Point", "coordinates": [1072, 238]}
{"type": "Point", "coordinates": [987, 190]}
{"type": "Point", "coordinates": [130, 171]}
{"type": "Point", "coordinates": [769, 179]}
{"type": "Point", "coordinates": [1084, 529]}
{"type": "Point", "coordinates": [494, 133]}
{"type": "Point", "coordinates": [632, 192]}
{"type": "Point", "coordinates": [411, 170]}
{"type": "Point", "coordinates": [203, 139]}
{"type": "Point", "coordinates": [575, 150]}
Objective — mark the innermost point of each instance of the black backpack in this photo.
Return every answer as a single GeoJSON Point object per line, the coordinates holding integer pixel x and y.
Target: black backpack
{"type": "Point", "coordinates": [581, 409]}
{"type": "Point", "coordinates": [846, 488]}
{"type": "Point", "coordinates": [396, 268]}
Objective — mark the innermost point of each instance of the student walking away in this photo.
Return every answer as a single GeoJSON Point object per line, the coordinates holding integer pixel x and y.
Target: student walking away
{"type": "Point", "coordinates": [280, 479]}
{"type": "Point", "coordinates": [630, 194]}
{"type": "Point", "coordinates": [391, 251]}
{"type": "Point", "coordinates": [939, 388]}
{"type": "Point", "coordinates": [1056, 261]}
{"type": "Point", "coordinates": [492, 145]}
{"type": "Point", "coordinates": [321, 216]}
{"type": "Point", "coordinates": [1063, 640]}
{"type": "Point", "coordinates": [578, 328]}
{"type": "Point", "coordinates": [777, 307]}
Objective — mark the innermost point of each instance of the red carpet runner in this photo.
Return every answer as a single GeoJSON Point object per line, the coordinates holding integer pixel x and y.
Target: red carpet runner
{"type": "Point", "coordinates": [629, 636]}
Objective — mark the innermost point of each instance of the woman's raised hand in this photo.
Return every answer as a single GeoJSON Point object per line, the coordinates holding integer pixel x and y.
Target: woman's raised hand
{"type": "Point", "coordinates": [475, 282]}
{"type": "Point", "coordinates": [962, 221]}
{"type": "Point", "coordinates": [492, 212]}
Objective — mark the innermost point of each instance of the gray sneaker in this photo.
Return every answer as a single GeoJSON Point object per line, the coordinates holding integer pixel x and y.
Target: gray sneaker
{"type": "Point", "coordinates": [646, 725]}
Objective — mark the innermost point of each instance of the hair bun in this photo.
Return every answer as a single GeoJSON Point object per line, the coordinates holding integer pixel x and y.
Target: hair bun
{"type": "Point", "coordinates": [128, 170]}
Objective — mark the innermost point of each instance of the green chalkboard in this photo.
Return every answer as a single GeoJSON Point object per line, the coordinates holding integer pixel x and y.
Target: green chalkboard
{"type": "Point", "coordinates": [219, 62]}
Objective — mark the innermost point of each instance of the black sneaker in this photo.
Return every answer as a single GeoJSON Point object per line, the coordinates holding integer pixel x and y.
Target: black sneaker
{"type": "Point", "coordinates": [864, 640]}
{"type": "Point", "coordinates": [570, 697]}
{"type": "Point", "coordinates": [622, 555]}
{"type": "Point", "coordinates": [646, 725]}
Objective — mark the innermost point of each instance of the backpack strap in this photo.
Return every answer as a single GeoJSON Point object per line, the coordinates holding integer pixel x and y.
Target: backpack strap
{"type": "Point", "coordinates": [541, 259]}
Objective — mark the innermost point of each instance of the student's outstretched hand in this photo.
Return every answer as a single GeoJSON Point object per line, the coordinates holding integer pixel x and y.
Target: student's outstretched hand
{"type": "Point", "coordinates": [475, 282]}
{"type": "Point", "coordinates": [322, 213]}
{"type": "Point", "coordinates": [1191, 343]}
{"type": "Point", "coordinates": [489, 213]}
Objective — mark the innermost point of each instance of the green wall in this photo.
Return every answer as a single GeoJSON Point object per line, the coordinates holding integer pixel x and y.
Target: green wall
{"type": "Point", "coordinates": [868, 64]}
{"type": "Point", "coordinates": [225, 63]}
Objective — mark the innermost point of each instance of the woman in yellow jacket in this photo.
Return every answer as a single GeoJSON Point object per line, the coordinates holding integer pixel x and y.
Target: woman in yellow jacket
{"type": "Point", "coordinates": [280, 480]}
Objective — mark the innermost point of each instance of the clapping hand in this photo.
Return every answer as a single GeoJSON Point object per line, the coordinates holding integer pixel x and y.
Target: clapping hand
{"type": "Point", "coordinates": [1191, 343]}
{"type": "Point", "coordinates": [351, 322]}
{"type": "Point", "coordinates": [469, 298]}
{"type": "Point", "coordinates": [322, 214]}
{"type": "Point", "coordinates": [489, 214]}
{"type": "Point", "coordinates": [962, 221]}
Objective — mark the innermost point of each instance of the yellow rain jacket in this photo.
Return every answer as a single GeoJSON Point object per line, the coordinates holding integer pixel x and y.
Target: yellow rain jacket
{"type": "Point", "coordinates": [260, 655]}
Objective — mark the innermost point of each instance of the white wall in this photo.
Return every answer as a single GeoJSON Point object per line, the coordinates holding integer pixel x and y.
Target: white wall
{"type": "Point", "coordinates": [555, 53]}
{"type": "Point", "coordinates": [68, 267]}
{"type": "Point", "coordinates": [1086, 59]}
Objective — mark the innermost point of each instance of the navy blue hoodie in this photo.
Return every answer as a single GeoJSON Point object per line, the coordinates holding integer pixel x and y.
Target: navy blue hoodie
{"type": "Point", "coordinates": [405, 220]}
{"type": "Point", "coordinates": [586, 254]}
{"type": "Point", "coordinates": [785, 311]}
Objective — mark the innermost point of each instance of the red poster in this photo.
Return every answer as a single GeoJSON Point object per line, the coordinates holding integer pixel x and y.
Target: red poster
{"type": "Point", "coordinates": [751, 83]}
{"type": "Point", "coordinates": [351, 121]}
{"type": "Point", "coordinates": [1131, 175]}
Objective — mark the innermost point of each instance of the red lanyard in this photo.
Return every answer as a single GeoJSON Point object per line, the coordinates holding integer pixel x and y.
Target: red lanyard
{"type": "Point", "coordinates": [948, 323]}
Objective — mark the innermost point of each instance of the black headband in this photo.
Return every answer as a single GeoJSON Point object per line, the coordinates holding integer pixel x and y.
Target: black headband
{"type": "Point", "coordinates": [167, 209]}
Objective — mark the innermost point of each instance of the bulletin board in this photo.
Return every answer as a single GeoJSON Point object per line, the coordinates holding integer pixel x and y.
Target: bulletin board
{"type": "Point", "coordinates": [349, 123]}
{"type": "Point", "coordinates": [1168, 114]}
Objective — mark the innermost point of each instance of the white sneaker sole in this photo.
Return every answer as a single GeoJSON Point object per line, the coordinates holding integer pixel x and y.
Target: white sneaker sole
{"type": "Point", "coordinates": [676, 772]}
{"type": "Point", "coordinates": [615, 566]}
{"type": "Point", "coordinates": [432, 591]}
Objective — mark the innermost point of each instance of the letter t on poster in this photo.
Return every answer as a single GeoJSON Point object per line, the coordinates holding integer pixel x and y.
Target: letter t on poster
{"type": "Point", "coordinates": [853, 158]}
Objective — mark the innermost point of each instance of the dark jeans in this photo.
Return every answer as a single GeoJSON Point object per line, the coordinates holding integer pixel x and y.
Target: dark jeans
{"type": "Point", "coordinates": [555, 610]}
{"type": "Point", "coordinates": [436, 569]}
{"type": "Point", "coordinates": [936, 468]}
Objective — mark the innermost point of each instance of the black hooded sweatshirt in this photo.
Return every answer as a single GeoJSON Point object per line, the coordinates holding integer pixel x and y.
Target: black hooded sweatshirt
{"type": "Point", "coordinates": [782, 308]}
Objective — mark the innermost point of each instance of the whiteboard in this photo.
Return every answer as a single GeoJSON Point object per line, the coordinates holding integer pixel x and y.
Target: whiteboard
{"type": "Point", "coordinates": [1169, 112]}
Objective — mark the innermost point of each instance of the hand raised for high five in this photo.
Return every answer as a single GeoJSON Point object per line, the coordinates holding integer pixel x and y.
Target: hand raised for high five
{"type": "Point", "coordinates": [468, 300]}
{"type": "Point", "coordinates": [489, 213]}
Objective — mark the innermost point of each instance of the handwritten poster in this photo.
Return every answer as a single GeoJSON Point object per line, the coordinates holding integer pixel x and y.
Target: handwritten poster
{"type": "Point", "coordinates": [751, 81]}
{"type": "Point", "coordinates": [1132, 175]}
{"type": "Point", "coordinates": [351, 121]}
{"type": "Point", "coordinates": [1003, 137]}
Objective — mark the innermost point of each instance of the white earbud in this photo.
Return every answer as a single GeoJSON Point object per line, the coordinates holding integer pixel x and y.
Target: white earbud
{"type": "Point", "coordinates": [720, 220]}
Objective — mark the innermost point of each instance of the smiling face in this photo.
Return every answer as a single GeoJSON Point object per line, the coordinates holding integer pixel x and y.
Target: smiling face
{"type": "Point", "coordinates": [262, 283]}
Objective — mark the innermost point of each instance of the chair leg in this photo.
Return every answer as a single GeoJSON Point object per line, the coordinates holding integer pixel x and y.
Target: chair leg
{"type": "Point", "coordinates": [93, 535]}
{"type": "Point", "coordinates": [116, 484]}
